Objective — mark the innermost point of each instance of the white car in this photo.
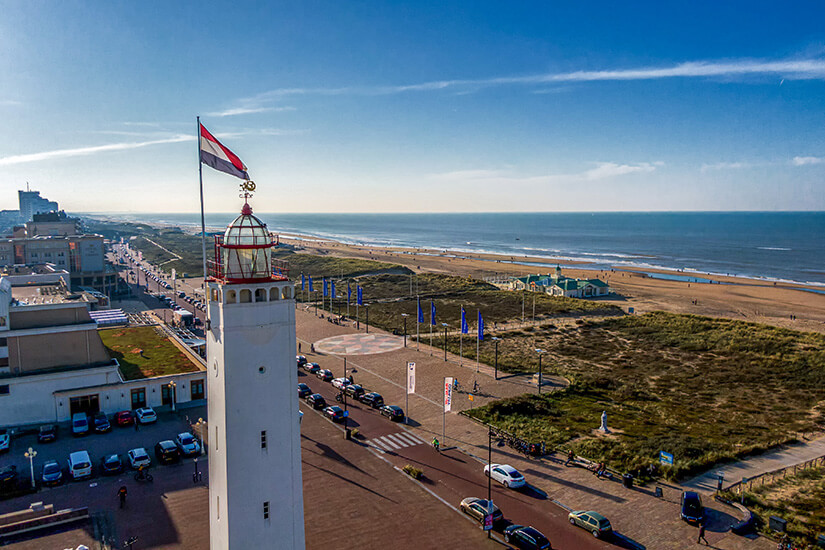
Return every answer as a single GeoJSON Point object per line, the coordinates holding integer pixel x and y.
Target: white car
{"type": "Point", "coordinates": [139, 457]}
{"type": "Point", "coordinates": [187, 444]}
{"type": "Point", "coordinates": [506, 475]}
{"type": "Point", "coordinates": [146, 415]}
{"type": "Point", "coordinates": [340, 383]}
{"type": "Point", "coordinates": [5, 441]}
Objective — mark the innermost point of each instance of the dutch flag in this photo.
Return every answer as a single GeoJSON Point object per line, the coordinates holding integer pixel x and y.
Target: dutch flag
{"type": "Point", "coordinates": [214, 154]}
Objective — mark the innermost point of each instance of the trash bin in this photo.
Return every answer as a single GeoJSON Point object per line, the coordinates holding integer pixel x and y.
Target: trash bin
{"type": "Point", "coordinates": [348, 434]}
{"type": "Point", "coordinates": [627, 480]}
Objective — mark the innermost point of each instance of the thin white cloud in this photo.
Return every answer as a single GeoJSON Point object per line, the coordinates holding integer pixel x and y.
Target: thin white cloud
{"type": "Point", "coordinates": [10, 103]}
{"type": "Point", "coordinates": [86, 151]}
{"type": "Point", "coordinates": [726, 166]}
{"type": "Point", "coordinates": [806, 161]}
{"type": "Point", "coordinates": [602, 171]}
{"type": "Point", "coordinates": [249, 110]}
{"type": "Point", "coordinates": [606, 170]}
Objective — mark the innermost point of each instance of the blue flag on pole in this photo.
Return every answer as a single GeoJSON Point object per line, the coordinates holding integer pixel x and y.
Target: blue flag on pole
{"type": "Point", "coordinates": [360, 295]}
{"type": "Point", "coordinates": [420, 312]}
{"type": "Point", "coordinates": [325, 286]}
{"type": "Point", "coordinates": [465, 329]}
{"type": "Point", "coordinates": [432, 313]}
{"type": "Point", "coordinates": [349, 292]}
{"type": "Point", "coordinates": [480, 326]}
{"type": "Point", "coordinates": [332, 284]}
{"type": "Point", "coordinates": [303, 281]}
{"type": "Point", "coordinates": [310, 284]}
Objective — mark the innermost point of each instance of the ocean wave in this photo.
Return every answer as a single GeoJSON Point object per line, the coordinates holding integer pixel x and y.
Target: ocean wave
{"type": "Point", "coordinates": [782, 248]}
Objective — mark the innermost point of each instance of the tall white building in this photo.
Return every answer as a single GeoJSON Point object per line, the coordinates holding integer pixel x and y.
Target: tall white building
{"type": "Point", "coordinates": [255, 489]}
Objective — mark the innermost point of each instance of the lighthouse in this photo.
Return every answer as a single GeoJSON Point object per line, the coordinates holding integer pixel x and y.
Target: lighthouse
{"type": "Point", "coordinates": [255, 489]}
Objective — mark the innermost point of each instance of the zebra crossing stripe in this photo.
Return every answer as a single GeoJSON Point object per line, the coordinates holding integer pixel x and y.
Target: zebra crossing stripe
{"type": "Point", "coordinates": [407, 439]}
{"type": "Point", "coordinates": [377, 448]}
{"type": "Point", "coordinates": [397, 440]}
{"type": "Point", "coordinates": [389, 442]}
{"type": "Point", "coordinates": [380, 444]}
{"type": "Point", "coordinates": [414, 438]}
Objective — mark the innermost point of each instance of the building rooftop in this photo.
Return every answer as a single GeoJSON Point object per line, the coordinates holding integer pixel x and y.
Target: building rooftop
{"type": "Point", "coordinates": [144, 352]}
{"type": "Point", "coordinates": [38, 294]}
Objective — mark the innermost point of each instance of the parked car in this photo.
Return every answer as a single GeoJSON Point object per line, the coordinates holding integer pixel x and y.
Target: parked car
{"type": "Point", "coordinates": [187, 444]}
{"type": "Point", "coordinates": [335, 413]}
{"type": "Point", "coordinates": [325, 375]}
{"type": "Point", "coordinates": [47, 433]}
{"type": "Point", "coordinates": [8, 477]}
{"type": "Point", "coordinates": [124, 418]}
{"type": "Point", "coordinates": [340, 383]}
{"type": "Point", "coordinates": [312, 368]}
{"type": "Point", "coordinates": [101, 423]}
{"type": "Point", "coordinates": [167, 452]}
{"type": "Point", "coordinates": [506, 475]}
{"type": "Point", "coordinates": [392, 412]}
{"type": "Point", "coordinates": [146, 415]}
{"type": "Point", "coordinates": [594, 522]}
{"type": "Point", "coordinates": [477, 508]}
{"type": "Point", "coordinates": [354, 390]}
{"type": "Point", "coordinates": [373, 399]}
{"type": "Point", "coordinates": [526, 538]}
{"type": "Point", "coordinates": [316, 401]}
{"type": "Point", "coordinates": [80, 424]}
{"type": "Point", "coordinates": [5, 441]}
{"type": "Point", "coordinates": [52, 473]}
{"type": "Point", "coordinates": [139, 457]}
{"type": "Point", "coordinates": [304, 390]}
{"type": "Point", "coordinates": [111, 465]}
{"type": "Point", "coordinates": [301, 360]}
{"type": "Point", "coordinates": [692, 510]}
{"type": "Point", "coordinates": [80, 465]}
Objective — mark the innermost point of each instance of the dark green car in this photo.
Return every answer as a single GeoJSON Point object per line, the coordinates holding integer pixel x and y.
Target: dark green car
{"type": "Point", "coordinates": [594, 522]}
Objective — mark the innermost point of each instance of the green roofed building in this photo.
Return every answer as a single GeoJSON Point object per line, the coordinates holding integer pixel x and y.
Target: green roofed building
{"type": "Point", "coordinates": [559, 285]}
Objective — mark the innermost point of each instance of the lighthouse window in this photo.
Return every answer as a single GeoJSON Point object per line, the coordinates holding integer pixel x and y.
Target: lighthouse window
{"type": "Point", "coordinates": [263, 439]}
{"type": "Point", "coordinates": [286, 293]}
{"type": "Point", "coordinates": [274, 294]}
{"type": "Point", "coordinates": [230, 296]}
{"type": "Point", "coordinates": [266, 510]}
{"type": "Point", "coordinates": [246, 296]}
{"type": "Point", "coordinates": [260, 295]}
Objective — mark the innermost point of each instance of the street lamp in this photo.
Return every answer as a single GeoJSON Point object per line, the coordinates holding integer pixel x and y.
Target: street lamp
{"type": "Point", "coordinates": [445, 325]}
{"type": "Point", "coordinates": [540, 352]}
{"type": "Point", "coordinates": [367, 308]}
{"type": "Point", "coordinates": [346, 414]}
{"type": "Point", "coordinates": [405, 315]}
{"type": "Point", "coordinates": [174, 393]}
{"type": "Point", "coordinates": [496, 339]}
{"type": "Point", "coordinates": [30, 454]}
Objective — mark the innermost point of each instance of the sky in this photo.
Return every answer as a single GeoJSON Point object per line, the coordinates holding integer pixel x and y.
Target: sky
{"type": "Point", "coordinates": [368, 106]}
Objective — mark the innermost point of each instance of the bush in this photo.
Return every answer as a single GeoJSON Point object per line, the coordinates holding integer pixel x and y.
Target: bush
{"type": "Point", "coordinates": [412, 471]}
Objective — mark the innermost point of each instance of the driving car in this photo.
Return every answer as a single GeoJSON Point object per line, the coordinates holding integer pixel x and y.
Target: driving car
{"type": "Point", "coordinates": [301, 360]}
{"type": "Point", "coordinates": [526, 538]}
{"type": "Point", "coordinates": [167, 452]}
{"type": "Point", "coordinates": [304, 390]}
{"type": "Point", "coordinates": [124, 418]}
{"type": "Point", "coordinates": [692, 510]}
{"type": "Point", "coordinates": [5, 441]}
{"type": "Point", "coordinates": [146, 415]}
{"type": "Point", "coordinates": [312, 368]}
{"type": "Point", "coordinates": [187, 444]}
{"type": "Point", "coordinates": [373, 399]}
{"type": "Point", "coordinates": [139, 457]}
{"type": "Point", "coordinates": [47, 433]}
{"type": "Point", "coordinates": [101, 423]}
{"type": "Point", "coordinates": [506, 475]}
{"type": "Point", "coordinates": [111, 465]}
{"type": "Point", "coordinates": [392, 412]}
{"type": "Point", "coordinates": [597, 524]}
{"type": "Point", "coordinates": [354, 390]}
{"type": "Point", "coordinates": [52, 473]}
{"type": "Point", "coordinates": [340, 383]}
{"type": "Point", "coordinates": [335, 413]}
{"type": "Point", "coordinates": [325, 375]}
{"type": "Point", "coordinates": [316, 401]}
{"type": "Point", "coordinates": [477, 508]}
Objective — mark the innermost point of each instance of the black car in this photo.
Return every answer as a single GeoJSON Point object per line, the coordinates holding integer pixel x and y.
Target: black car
{"type": "Point", "coordinates": [392, 412]}
{"type": "Point", "coordinates": [692, 509]}
{"type": "Point", "coordinates": [312, 368]}
{"type": "Point", "coordinates": [8, 477]}
{"type": "Point", "coordinates": [47, 433]}
{"type": "Point", "coordinates": [335, 413]}
{"type": "Point", "coordinates": [111, 465]}
{"type": "Point", "coordinates": [316, 401]}
{"type": "Point", "coordinates": [372, 399]}
{"type": "Point", "coordinates": [101, 423]}
{"type": "Point", "coordinates": [325, 375]}
{"type": "Point", "coordinates": [167, 452]}
{"type": "Point", "coordinates": [526, 538]}
{"type": "Point", "coordinates": [301, 360]}
{"type": "Point", "coordinates": [304, 390]}
{"type": "Point", "coordinates": [354, 390]}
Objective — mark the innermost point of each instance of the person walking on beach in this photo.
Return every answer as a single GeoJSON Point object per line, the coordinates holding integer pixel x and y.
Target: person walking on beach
{"type": "Point", "coordinates": [702, 534]}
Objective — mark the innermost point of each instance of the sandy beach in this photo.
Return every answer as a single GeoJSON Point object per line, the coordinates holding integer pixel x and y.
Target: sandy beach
{"type": "Point", "coordinates": [755, 300]}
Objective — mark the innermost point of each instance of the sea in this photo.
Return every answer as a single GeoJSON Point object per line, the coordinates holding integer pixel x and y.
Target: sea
{"type": "Point", "coordinates": [786, 247]}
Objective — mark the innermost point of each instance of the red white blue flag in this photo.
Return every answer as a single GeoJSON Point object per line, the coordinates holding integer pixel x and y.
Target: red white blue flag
{"type": "Point", "coordinates": [214, 154]}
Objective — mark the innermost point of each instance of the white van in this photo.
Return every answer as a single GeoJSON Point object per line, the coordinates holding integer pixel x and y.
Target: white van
{"type": "Point", "coordinates": [80, 465]}
{"type": "Point", "coordinates": [80, 424]}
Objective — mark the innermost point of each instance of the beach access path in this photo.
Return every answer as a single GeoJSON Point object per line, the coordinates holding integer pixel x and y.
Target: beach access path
{"type": "Point", "coordinates": [785, 457]}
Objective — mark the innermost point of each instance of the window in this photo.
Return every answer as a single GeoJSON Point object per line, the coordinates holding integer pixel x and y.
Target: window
{"type": "Point", "coordinates": [138, 398]}
{"type": "Point", "coordinates": [4, 389]}
{"type": "Point", "coordinates": [3, 342]}
{"type": "Point", "coordinates": [246, 296]}
{"type": "Point", "coordinates": [266, 510]}
{"type": "Point", "coordinates": [260, 295]}
{"type": "Point", "coordinates": [197, 389]}
{"type": "Point", "coordinates": [263, 439]}
{"type": "Point", "coordinates": [4, 362]}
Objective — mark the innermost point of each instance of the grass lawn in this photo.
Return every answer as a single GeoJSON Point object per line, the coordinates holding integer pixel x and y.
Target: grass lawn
{"type": "Point", "coordinates": [160, 356]}
{"type": "Point", "coordinates": [706, 390]}
{"type": "Point", "coordinates": [798, 499]}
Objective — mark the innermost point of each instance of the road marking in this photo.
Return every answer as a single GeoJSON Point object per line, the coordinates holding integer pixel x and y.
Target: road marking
{"type": "Point", "coordinates": [389, 442]}
{"type": "Point", "coordinates": [410, 440]}
{"type": "Point", "coordinates": [394, 438]}
{"type": "Point", "coordinates": [380, 445]}
{"type": "Point", "coordinates": [414, 437]}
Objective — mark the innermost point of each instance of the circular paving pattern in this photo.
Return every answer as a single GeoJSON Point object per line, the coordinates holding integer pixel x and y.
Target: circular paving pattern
{"type": "Point", "coordinates": [359, 344]}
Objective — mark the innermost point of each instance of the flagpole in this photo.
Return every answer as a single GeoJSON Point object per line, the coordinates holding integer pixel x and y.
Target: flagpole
{"type": "Point", "coordinates": [203, 218]}
{"type": "Point", "coordinates": [418, 316]}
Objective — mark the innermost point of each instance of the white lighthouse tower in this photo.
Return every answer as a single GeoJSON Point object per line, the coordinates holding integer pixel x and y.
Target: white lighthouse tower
{"type": "Point", "coordinates": [255, 490]}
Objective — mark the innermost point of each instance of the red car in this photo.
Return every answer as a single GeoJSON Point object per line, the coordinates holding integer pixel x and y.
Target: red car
{"type": "Point", "coordinates": [124, 418]}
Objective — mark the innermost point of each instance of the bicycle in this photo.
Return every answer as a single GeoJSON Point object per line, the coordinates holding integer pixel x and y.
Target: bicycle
{"type": "Point", "coordinates": [143, 476]}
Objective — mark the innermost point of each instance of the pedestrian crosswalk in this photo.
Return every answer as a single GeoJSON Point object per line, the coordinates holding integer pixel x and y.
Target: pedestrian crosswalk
{"type": "Point", "coordinates": [395, 442]}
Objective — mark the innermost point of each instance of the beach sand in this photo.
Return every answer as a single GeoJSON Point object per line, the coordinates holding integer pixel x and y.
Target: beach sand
{"type": "Point", "coordinates": [744, 299]}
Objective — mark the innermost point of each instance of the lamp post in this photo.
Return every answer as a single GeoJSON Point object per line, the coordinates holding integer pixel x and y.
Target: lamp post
{"type": "Point", "coordinates": [405, 315]}
{"type": "Point", "coordinates": [346, 414]}
{"type": "Point", "coordinates": [195, 474]}
{"type": "Point", "coordinates": [174, 388]}
{"type": "Point", "coordinates": [202, 435]}
{"type": "Point", "coordinates": [496, 339]}
{"type": "Point", "coordinates": [489, 468]}
{"type": "Point", "coordinates": [540, 352]}
{"type": "Point", "coordinates": [445, 325]}
{"type": "Point", "coordinates": [30, 454]}
{"type": "Point", "coordinates": [367, 309]}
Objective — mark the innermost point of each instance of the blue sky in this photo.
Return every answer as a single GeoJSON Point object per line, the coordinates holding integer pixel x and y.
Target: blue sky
{"type": "Point", "coordinates": [416, 107]}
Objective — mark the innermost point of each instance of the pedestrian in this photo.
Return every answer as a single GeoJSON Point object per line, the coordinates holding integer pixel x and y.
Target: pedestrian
{"type": "Point", "coordinates": [702, 534]}
{"type": "Point", "coordinates": [570, 457]}
{"type": "Point", "coordinates": [312, 347]}
{"type": "Point", "coordinates": [121, 493]}
{"type": "Point", "coordinates": [299, 347]}
{"type": "Point", "coordinates": [351, 380]}
{"type": "Point", "coordinates": [137, 429]}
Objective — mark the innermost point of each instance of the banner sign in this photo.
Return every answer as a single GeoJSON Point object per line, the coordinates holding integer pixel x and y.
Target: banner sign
{"type": "Point", "coordinates": [448, 394]}
{"type": "Point", "coordinates": [411, 377]}
{"type": "Point", "coordinates": [666, 458]}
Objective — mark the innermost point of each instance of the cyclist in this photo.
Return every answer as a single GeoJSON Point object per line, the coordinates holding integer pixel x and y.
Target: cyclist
{"type": "Point", "coordinates": [436, 444]}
